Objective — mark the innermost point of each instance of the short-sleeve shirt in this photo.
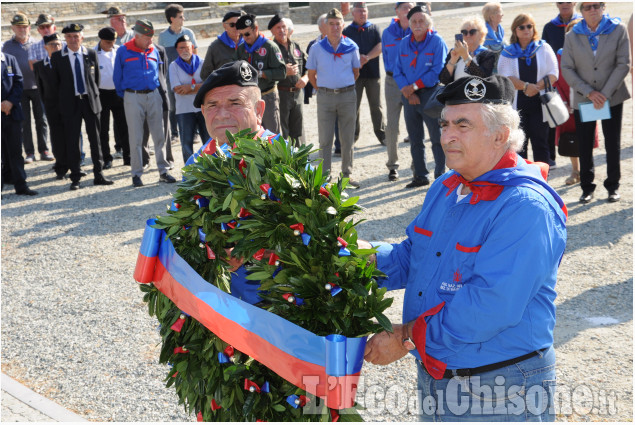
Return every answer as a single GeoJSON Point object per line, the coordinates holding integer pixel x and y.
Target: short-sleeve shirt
{"type": "Point", "coordinates": [184, 102]}
{"type": "Point", "coordinates": [366, 39]}
{"type": "Point", "coordinates": [167, 38]}
{"type": "Point", "coordinates": [333, 72]}
{"type": "Point", "coordinates": [21, 53]}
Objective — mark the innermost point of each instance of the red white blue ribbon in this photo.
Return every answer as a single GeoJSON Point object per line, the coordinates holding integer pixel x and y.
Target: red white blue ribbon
{"type": "Point", "coordinates": [328, 367]}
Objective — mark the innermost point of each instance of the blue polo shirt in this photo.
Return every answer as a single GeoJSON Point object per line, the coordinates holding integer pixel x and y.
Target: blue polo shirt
{"type": "Point", "coordinates": [167, 38]}
{"type": "Point", "coordinates": [334, 71]}
{"type": "Point", "coordinates": [366, 37]}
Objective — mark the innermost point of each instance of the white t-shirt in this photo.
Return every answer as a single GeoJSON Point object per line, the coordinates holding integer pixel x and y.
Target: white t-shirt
{"type": "Point", "coordinates": [184, 103]}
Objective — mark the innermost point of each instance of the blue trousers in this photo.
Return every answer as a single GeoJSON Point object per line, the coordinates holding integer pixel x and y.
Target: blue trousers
{"type": "Point", "coordinates": [415, 118]}
{"type": "Point", "coordinates": [521, 392]}
{"type": "Point", "coordinates": [188, 123]}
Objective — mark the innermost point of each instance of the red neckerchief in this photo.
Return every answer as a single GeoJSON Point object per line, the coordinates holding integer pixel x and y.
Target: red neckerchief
{"type": "Point", "coordinates": [131, 46]}
{"type": "Point", "coordinates": [483, 190]}
{"type": "Point", "coordinates": [413, 43]}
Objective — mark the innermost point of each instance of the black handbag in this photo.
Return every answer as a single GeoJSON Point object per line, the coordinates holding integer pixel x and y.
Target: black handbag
{"type": "Point", "coordinates": [431, 106]}
{"type": "Point", "coordinates": [568, 145]}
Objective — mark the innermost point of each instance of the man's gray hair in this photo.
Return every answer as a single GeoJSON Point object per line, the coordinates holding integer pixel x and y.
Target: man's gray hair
{"type": "Point", "coordinates": [428, 19]}
{"type": "Point", "coordinates": [289, 23]}
{"type": "Point", "coordinates": [497, 116]}
{"type": "Point", "coordinates": [321, 20]}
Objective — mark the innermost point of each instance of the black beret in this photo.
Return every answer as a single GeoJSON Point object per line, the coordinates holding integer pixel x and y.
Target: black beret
{"type": "Point", "coordinates": [245, 21]}
{"type": "Point", "coordinates": [53, 37]}
{"type": "Point", "coordinates": [238, 73]}
{"type": "Point", "coordinates": [107, 33]}
{"type": "Point", "coordinates": [72, 27]}
{"type": "Point", "coordinates": [181, 39]}
{"type": "Point", "coordinates": [233, 14]}
{"type": "Point", "coordinates": [414, 10]}
{"type": "Point", "coordinates": [274, 21]}
{"type": "Point", "coordinates": [495, 89]}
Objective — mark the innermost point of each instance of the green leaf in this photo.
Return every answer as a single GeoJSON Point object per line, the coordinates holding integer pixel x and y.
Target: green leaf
{"type": "Point", "coordinates": [384, 322]}
{"type": "Point", "coordinates": [350, 201]}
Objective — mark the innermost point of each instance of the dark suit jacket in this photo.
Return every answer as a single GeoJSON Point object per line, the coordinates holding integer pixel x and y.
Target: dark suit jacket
{"type": "Point", "coordinates": [12, 86]}
{"type": "Point", "coordinates": [46, 80]}
{"type": "Point", "coordinates": [65, 79]}
{"type": "Point", "coordinates": [163, 75]}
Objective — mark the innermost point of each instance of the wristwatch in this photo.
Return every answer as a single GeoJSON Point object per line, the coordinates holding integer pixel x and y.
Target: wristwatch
{"type": "Point", "coordinates": [408, 344]}
{"type": "Point", "coordinates": [415, 87]}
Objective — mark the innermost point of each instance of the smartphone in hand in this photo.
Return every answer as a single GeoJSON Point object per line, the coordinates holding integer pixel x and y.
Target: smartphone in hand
{"type": "Point", "coordinates": [458, 37]}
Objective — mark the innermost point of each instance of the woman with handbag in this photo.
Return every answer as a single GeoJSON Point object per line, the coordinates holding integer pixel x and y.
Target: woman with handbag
{"type": "Point", "coordinates": [565, 137]}
{"type": "Point", "coordinates": [595, 63]}
{"type": "Point", "coordinates": [526, 61]}
{"type": "Point", "coordinates": [469, 56]}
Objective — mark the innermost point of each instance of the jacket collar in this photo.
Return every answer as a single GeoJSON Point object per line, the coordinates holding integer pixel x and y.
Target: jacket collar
{"type": "Point", "coordinates": [66, 51]}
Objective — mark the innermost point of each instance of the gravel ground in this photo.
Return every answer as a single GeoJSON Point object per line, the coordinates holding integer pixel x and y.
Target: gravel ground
{"type": "Point", "coordinates": [74, 327]}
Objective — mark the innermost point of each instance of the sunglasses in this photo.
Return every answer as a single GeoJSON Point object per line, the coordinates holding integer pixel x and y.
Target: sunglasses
{"type": "Point", "coordinates": [470, 32]}
{"type": "Point", "coordinates": [528, 26]}
{"type": "Point", "coordinates": [247, 34]}
{"type": "Point", "coordinates": [591, 6]}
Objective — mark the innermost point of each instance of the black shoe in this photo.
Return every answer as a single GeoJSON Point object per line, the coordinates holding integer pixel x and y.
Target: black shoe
{"type": "Point", "coordinates": [406, 139]}
{"type": "Point", "coordinates": [382, 142]}
{"type": "Point", "coordinates": [614, 197]}
{"type": "Point", "coordinates": [60, 176]}
{"type": "Point", "coordinates": [586, 197]}
{"type": "Point", "coordinates": [74, 186]}
{"type": "Point", "coordinates": [136, 181]}
{"type": "Point", "coordinates": [418, 182]}
{"type": "Point", "coordinates": [393, 175]}
{"type": "Point", "coordinates": [103, 182]}
{"type": "Point", "coordinates": [337, 152]}
{"type": "Point", "coordinates": [126, 162]}
{"type": "Point", "coordinates": [107, 165]}
{"type": "Point", "coordinates": [26, 191]}
{"type": "Point", "coordinates": [166, 178]}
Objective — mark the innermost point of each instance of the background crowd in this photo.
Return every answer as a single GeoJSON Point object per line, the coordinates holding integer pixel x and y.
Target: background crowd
{"type": "Point", "coordinates": [148, 87]}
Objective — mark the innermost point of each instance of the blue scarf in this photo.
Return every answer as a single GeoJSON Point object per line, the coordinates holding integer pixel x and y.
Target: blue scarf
{"type": "Point", "coordinates": [189, 68]}
{"type": "Point", "coordinates": [478, 50]}
{"type": "Point", "coordinates": [257, 44]}
{"type": "Point", "coordinates": [346, 46]}
{"type": "Point", "coordinates": [395, 29]}
{"type": "Point", "coordinates": [419, 46]}
{"type": "Point", "coordinates": [514, 51]}
{"type": "Point", "coordinates": [362, 28]}
{"type": "Point", "coordinates": [494, 37]}
{"type": "Point", "coordinates": [557, 21]}
{"type": "Point", "coordinates": [606, 26]}
{"type": "Point", "coordinates": [224, 38]}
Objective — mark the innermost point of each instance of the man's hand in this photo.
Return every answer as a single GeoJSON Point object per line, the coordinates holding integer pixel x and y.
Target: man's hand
{"type": "Point", "coordinates": [413, 99]}
{"type": "Point", "coordinates": [6, 107]}
{"type": "Point", "coordinates": [302, 82]}
{"type": "Point", "coordinates": [234, 262]}
{"type": "Point", "coordinates": [597, 98]}
{"type": "Point", "coordinates": [183, 89]}
{"type": "Point", "coordinates": [407, 91]}
{"type": "Point", "coordinates": [385, 347]}
{"type": "Point", "coordinates": [291, 69]}
{"type": "Point", "coordinates": [363, 60]}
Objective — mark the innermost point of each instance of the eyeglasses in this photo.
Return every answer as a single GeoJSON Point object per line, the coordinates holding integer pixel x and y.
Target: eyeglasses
{"type": "Point", "coordinates": [471, 32]}
{"type": "Point", "coordinates": [596, 6]}
{"type": "Point", "coordinates": [528, 26]}
{"type": "Point", "coordinates": [247, 34]}
{"type": "Point", "coordinates": [231, 24]}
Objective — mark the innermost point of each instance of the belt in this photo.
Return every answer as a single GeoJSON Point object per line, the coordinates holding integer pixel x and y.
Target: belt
{"type": "Point", "coordinates": [268, 91]}
{"type": "Point", "coordinates": [451, 373]}
{"type": "Point", "coordinates": [291, 89]}
{"type": "Point", "coordinates": [140, 91]}
{"type": "Point", "coordinates": [389, 73]}
{"type": "Point", "coordinates": [342, 90]}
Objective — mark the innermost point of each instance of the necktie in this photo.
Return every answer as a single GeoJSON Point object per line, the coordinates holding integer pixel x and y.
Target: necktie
{"type": "Point", "coordinates": [79, 81]}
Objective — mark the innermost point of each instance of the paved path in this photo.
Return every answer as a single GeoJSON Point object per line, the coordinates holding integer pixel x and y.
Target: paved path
{"type": "Point", "coordinates": [20, 404]}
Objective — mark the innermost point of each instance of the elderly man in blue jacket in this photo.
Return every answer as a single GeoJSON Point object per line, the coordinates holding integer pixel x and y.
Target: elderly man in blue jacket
{"type": "Point", "coordinates": [479, 266]}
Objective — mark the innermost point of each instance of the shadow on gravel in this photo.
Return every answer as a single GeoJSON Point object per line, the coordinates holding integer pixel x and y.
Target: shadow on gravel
{"type": "Point", "coordinates": [601, 304]}
{"type": "Point", "coordinates": [600, 231]}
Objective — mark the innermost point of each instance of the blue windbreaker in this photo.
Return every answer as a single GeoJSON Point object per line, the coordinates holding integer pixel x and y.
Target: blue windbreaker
{"type": "Point", "coordinates": [421, 62]}
{"type": "Point", "coordinates": [494, 263]}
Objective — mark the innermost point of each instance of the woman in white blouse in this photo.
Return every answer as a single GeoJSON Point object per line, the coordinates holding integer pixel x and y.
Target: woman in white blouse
{"type": "Point", "coordinates": [526, 61]}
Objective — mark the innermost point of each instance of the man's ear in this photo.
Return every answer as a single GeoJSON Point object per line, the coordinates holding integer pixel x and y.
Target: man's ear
{"type": "Point", "coordinates": [502, 137]}
{"type": "Point", "coordinates": [260, 110]}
